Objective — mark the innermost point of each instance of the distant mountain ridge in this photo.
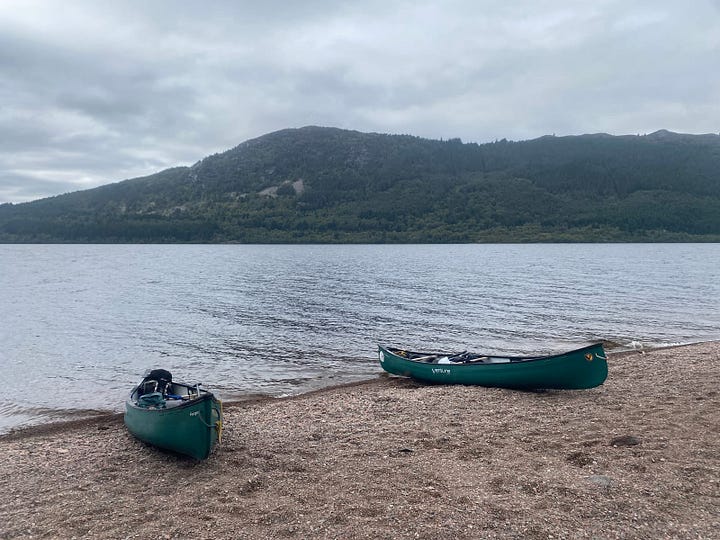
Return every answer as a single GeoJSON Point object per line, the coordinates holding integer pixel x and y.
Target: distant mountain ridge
{"type": "Point", "coordinates": [318, 184]}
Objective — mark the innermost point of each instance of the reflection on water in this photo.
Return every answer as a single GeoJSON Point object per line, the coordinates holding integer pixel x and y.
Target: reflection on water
{"type": "Point", "coordinates": [82, 323]}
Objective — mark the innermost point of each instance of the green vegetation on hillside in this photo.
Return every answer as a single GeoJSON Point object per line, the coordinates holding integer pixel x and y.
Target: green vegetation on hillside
{"type": "Point", "coordinates": [329, 185]}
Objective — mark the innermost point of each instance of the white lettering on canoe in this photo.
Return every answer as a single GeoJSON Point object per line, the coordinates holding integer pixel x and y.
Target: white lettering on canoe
{"type": "Point", "coordinates": [195, 413]}
{"type": "Point", "coordinates": [441, 371]}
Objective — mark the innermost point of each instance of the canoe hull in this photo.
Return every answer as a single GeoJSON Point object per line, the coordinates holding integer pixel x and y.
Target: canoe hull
{"type": "Point", "coordinates": [581, 368]}
{"type": "Point", "coordinates": [191, 428]}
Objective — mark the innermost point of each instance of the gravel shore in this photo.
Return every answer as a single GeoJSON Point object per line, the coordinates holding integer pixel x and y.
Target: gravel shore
{"type": "Point", "coordinates": [638, 457]}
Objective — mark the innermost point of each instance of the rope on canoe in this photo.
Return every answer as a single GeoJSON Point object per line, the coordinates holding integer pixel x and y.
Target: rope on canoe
{"type": "Point", "coordinates": [218, 424]}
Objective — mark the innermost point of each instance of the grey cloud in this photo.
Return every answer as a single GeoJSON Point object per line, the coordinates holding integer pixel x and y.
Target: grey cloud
{"type": "Point", "coordinates": [101, 93]}
{"type": "Point", "coordinates": [20, 187]}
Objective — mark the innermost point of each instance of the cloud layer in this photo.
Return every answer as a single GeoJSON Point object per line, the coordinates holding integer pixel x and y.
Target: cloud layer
{"type": "Point", "coordinates": [91, 94]}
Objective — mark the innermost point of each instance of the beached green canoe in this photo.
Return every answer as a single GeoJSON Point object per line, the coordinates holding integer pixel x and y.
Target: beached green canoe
{"type": "Point", "coordinates": [581, 368]}
{"type": "Point", "coordinates": [179, 417]}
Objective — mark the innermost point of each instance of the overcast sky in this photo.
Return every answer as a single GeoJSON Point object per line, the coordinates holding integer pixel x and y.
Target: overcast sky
{"type": "Point", "coordinates": [96, 92]}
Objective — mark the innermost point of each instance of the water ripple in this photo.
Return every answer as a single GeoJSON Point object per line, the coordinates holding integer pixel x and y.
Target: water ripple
{"type": "Point", "coordinates": [81, 324]}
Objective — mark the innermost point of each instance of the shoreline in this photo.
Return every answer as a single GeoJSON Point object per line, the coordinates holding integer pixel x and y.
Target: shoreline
{"type": "Point", "coordinates": [637, 457]}
{"type": "Point", "coordinates": [238, 400]}
{"type": "Point", "coordinates": [48, 428]}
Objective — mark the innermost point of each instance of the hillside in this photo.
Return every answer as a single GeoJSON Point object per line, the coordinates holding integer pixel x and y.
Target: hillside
{"type": "Point", "coordinates": [329, 185]}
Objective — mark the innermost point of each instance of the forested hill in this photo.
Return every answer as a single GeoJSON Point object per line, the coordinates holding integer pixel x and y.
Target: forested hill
{"type": "Point", "coordinates": [329, 185]}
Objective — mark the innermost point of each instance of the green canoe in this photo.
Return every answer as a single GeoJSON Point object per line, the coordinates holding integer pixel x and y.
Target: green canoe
{"type": "Point", "coordinates": [175, 416]}
{"type": "Point", "coordinates": [581, 368]}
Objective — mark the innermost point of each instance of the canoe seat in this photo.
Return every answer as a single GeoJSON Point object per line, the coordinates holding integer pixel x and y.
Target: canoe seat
{"type": "Point", "coordinates": [158, 380]}
{"type": "Point", "coordinates": [479, 359]}
{"type": "Point", "coordinates": [147, 387]}
{"type": "Point", "coordinates": [429, 358]}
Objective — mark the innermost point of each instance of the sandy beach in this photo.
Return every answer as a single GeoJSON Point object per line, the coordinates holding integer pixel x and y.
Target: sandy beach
{"type": "Point", "coordinates": [638, 457]}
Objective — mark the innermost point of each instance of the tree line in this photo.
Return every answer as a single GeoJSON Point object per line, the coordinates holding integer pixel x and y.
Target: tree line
{"type": "Point", "coordinates": [361, 187]}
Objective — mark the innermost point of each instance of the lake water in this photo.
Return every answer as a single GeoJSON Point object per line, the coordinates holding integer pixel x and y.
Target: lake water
{"type": "Point", "coordinates": [80, 324]}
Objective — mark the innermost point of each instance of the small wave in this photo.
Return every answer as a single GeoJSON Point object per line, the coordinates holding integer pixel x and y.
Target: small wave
{"type": "Point", "coordinates": [14, 415]}
{"type": "Point", "coordinates": [641, 344]}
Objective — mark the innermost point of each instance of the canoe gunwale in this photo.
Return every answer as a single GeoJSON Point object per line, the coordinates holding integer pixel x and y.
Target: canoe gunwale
{"type": "Point", "coordinates": [512, 359]}
{"type": "Point", "coordinates": [177, 404]}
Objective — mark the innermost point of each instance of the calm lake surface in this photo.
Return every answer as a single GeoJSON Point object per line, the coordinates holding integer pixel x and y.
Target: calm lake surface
{"type": "Point", "coordinates": [80, 324]}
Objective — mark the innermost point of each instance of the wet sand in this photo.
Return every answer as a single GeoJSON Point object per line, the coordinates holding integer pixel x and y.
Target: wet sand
{"type": "Point", "coordinates": [638, 457]}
